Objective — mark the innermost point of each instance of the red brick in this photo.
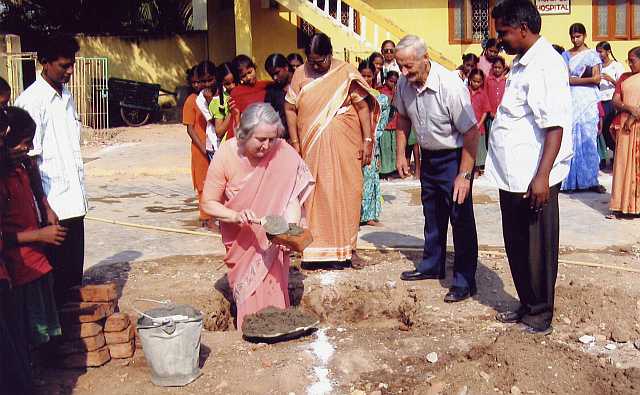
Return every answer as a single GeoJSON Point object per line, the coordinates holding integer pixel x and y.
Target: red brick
{"type": "Point", "coordinates": [124, 336]}
{"type": "Point", "coordinates": [81, 345]}
{"type": "Point", "coordinates": [117, 322]}
{"type": "Point", "coordinates": [134, 321]}
{"type": "Point", "coordinates": [94, 293]}
{"type": "Point", "coordinates": [123, 350]}
{"type": "Point", "coordinates": [88, 359]}
{"type": "Point", "coordinates": [80, 331]}
{"type": "Point", "coordinates": [79, 312]}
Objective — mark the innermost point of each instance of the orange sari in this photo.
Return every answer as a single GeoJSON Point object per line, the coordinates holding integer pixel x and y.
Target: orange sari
{"type": "Point", "coordinates": [331, 141]}
{"type": "Point", "coordinates": [259, 270]}
{"type": "Point", "coordinates": [625, 191]}
{"type": "Point", "coordinates": [191, 116]}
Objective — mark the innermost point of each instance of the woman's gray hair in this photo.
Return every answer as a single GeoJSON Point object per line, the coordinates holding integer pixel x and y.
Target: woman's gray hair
{"type": "Point", "coordinates": [412, 41]}
{"type": "Point", "coordinates": [254, 115]}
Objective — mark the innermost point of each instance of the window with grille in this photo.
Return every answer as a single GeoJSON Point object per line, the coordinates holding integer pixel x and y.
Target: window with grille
{"type": "Point", "coordinates": [306, 30]}
{"type": "Point", "coordinates": [616, 19]}
{"type": "Point", "coordinates": [470, 21]}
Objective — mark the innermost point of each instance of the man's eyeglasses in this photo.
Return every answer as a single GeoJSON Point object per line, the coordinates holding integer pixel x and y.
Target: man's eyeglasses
{"type": "Point", "coordinates": [389, 50]}
{"type": "Point", "coordinates": [317, 62]}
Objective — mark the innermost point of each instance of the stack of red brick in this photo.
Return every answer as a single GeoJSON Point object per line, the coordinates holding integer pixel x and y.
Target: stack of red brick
{"type": "Point", "coordinates": [93, 332]}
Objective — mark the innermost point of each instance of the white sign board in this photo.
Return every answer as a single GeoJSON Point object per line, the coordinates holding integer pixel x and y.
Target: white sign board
{"type": "Point", "coordinates": [553, 7]}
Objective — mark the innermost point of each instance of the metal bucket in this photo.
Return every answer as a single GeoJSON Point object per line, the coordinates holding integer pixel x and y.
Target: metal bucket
{"type": "Point", "coordinates": [170, 339]}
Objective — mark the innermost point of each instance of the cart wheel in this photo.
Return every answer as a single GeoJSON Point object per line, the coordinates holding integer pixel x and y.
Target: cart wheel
{"type": "Point", "coordinates": [133, 117]}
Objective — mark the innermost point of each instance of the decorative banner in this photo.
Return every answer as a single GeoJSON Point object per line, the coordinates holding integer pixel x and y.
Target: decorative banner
{"type": "Point", "coordinates": [553, 7]}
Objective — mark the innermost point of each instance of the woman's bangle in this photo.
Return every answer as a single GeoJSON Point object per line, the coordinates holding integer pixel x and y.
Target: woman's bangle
{"type": "Point", "coordinates": [368, 139]}
{"type": "Point", "coordinates": [294, 141]}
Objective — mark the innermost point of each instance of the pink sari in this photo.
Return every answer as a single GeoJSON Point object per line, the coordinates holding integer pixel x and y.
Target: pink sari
{"type": "Point", "coordinates": [259, 270]}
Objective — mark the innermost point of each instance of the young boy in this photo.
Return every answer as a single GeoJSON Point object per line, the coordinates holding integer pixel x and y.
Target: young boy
{"type": "Point", "coordinates": [24, 241]}
{"type": "Point", "coordinates": [56, 149]}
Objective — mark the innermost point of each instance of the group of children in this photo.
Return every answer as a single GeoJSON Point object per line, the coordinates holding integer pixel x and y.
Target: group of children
{"type": "Point", "coordinates": [28, 309]}
{"type": "Point", "coordinates": [486, 78]}
{"type": "Point", "coordinates": [219, 95]}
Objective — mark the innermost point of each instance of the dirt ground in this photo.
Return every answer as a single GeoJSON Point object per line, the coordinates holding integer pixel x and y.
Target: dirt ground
{"type": "Point", "coordinates": [377, 331]}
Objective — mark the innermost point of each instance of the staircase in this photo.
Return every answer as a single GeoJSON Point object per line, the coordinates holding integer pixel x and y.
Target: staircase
{"type": "Point", "coordinates": [356, 29]}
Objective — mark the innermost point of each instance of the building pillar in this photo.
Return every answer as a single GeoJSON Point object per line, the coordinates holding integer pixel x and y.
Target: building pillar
{"type": "Point", "coordinates": [242, 11]}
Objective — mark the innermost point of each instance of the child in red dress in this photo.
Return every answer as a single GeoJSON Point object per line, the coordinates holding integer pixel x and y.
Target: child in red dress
{"type": "Point", "coordinates": [480, 103]}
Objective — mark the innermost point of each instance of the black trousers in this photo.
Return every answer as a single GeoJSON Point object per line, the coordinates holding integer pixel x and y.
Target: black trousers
{"type": "Point", "coordinates": [609, 114]}
{"type": "Point", "coordinates": [68, 259]}
{"type": "Point", "coordinates": [531, 240]}
{"type": "Point", "coordinates": [15, 364]}
{"type": "Point", "coordinates": [438, 172]}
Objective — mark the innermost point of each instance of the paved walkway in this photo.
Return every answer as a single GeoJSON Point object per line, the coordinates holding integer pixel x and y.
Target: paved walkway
{"type": "Point", "coordinates": [144, 178]}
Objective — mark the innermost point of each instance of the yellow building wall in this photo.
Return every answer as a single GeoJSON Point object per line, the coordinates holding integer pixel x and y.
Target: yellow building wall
{"type": "Point", "coordinates": [556, 29]}
{"type": "Point", "coordinates": [221, 34]}
{"type": "Point", "coordinates": [430, 20]}
{"type": "Point", "coordinates": [276, 32]}
{"type": "Point", "coordinates": [158, 60]}
{"type": "Point", "coordinates": [272, 30]}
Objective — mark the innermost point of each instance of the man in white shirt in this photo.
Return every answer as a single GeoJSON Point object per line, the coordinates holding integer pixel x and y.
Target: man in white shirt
{"type": "Point", "coordinates": [388, 50]}
{"type": "Point", "coordinates": [530, 150]}
{"type": "Point", "coordinates": [56, 147]}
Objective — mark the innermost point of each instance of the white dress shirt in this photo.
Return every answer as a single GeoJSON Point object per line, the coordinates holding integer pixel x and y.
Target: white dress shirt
{"type": "Point", "coordinates": [537, 96]}
{"type": "Point", "coordinates": [56, 145]}
{"type": "Point", "coordinates": [212, 140]}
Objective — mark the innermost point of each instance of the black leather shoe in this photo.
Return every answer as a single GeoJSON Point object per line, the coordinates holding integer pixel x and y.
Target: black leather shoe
{"type": "Point", "coordinates": [532, 330]}
{"type": "Point", "coordinates": [414, 275]}
{"type": "Point", "coordinates": [458, 294]}
{"type": "Point", "coordinates": [509, 317]}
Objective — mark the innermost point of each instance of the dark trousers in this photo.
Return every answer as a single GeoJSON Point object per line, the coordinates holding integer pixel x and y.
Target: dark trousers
{"type": "Point", "coordinates": [68, 259]}
{"type": "Point", "coordinates": [438, 172]}
{"type": "Point", "coordinates": [531, 240]}
{"type": "Point", "coordinates": [15, 364]}
{"type": "Point", "coordinates": [609, 114]}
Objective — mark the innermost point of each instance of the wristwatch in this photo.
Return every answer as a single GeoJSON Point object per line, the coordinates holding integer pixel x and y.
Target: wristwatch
{"type": "Point", "coordinates": [468, 175]}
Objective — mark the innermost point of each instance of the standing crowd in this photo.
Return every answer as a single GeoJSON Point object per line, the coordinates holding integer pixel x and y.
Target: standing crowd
{"type": "Point", "coordinates": [541, 126]}
{"type": "Point", "coordinates": [312, 145]}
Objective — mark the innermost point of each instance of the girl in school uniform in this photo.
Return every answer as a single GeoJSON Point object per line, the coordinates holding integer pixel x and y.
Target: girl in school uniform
{"type": "Point", "coordinates": [480, 103]}
{"type": "Point", "coordinates": [24, 241]}
{"type": "Point", "coordinates": [15, 370]}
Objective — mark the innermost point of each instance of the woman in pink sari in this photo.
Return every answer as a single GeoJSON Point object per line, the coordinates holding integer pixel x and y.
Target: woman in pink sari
{"type": "Point", "coordinates": [254, 175]}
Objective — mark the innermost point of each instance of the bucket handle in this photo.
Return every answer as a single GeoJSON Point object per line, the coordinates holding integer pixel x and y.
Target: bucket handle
{"type": "Point", "coordinates": [153, 319]}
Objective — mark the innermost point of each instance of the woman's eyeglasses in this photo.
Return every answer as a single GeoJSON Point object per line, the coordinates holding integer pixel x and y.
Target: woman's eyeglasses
{"type": "Point", "coordinates": [317, 62]}
{"type": "Point", "coordinates": [389, 50]}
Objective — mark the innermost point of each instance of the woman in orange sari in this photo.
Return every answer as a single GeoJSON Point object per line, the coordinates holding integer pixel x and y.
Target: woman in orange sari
{"type": "Point", "coordinates": [254, 175]}
{"type": "Point", "coordinates": [196, 125]}
{"type": "Point", "coordinates": [331, 117]}
{"type": "Point", "coordinates": [625, 192]}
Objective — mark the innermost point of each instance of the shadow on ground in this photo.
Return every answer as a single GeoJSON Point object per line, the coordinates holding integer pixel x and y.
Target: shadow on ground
{"type": "Point", "coordinates": [491, 290]}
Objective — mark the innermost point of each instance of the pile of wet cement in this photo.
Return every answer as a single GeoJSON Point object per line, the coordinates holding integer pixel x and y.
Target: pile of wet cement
{"type": "Point", "coordinates": [273, 321]}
